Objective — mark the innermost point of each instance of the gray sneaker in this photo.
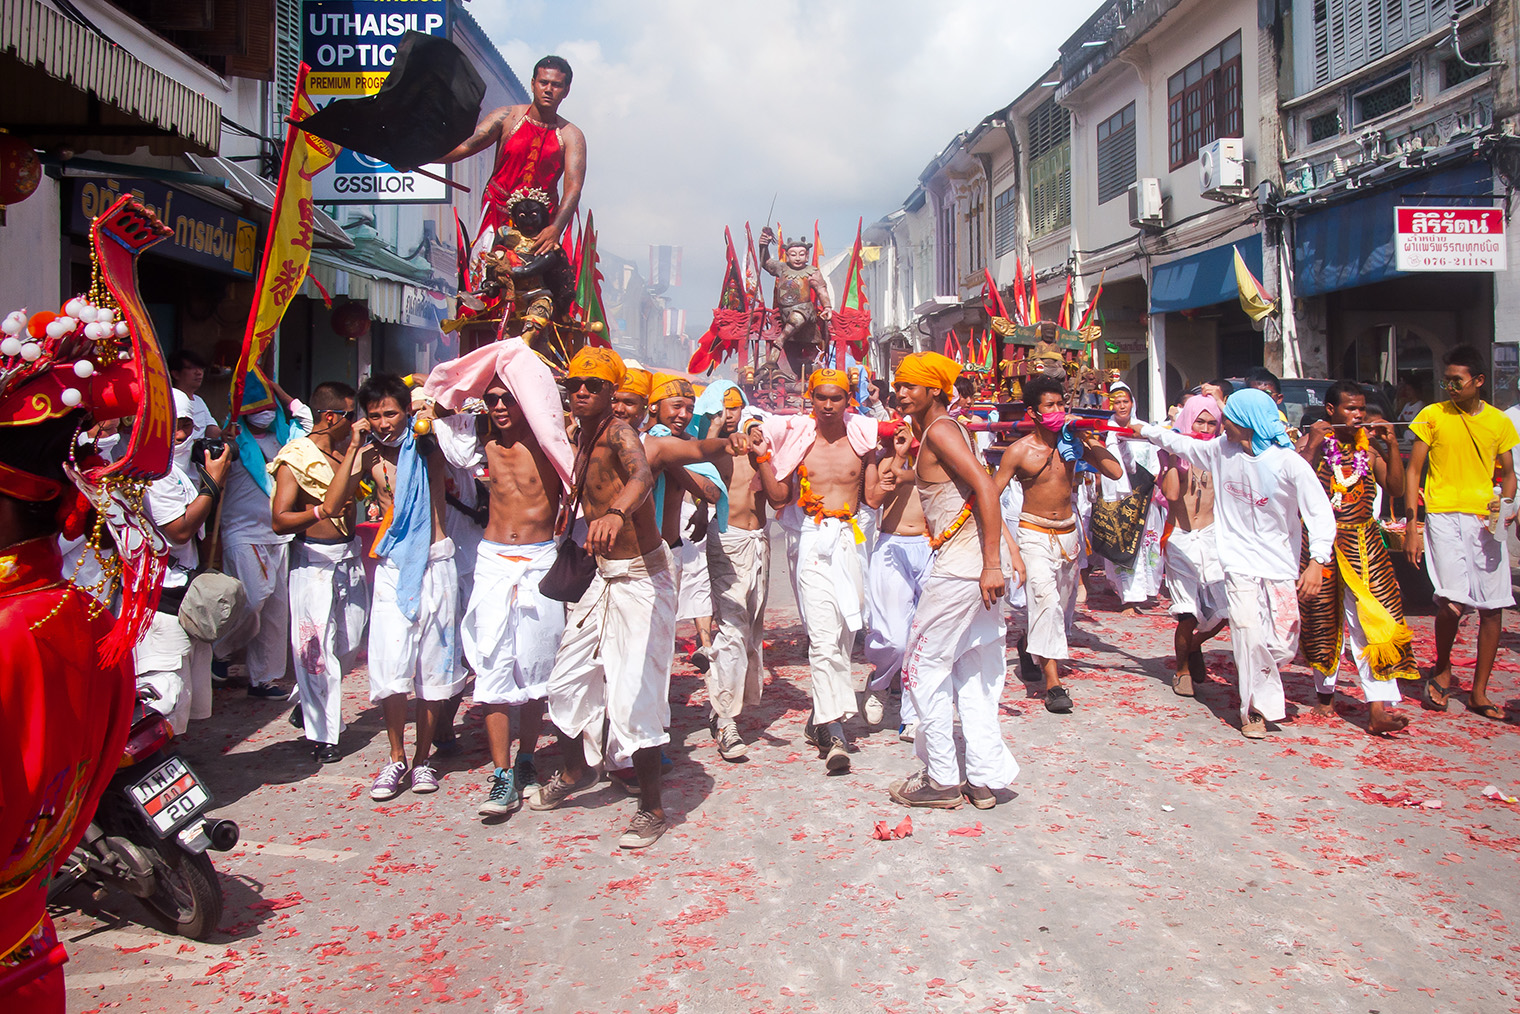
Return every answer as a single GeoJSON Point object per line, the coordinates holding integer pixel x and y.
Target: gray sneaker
{"type": "Point", "coordinates": [836, 754]}
{"type": "Point", "coordinates": [731, 745]}
{"type": "Point", "coordinates": [504, 797]}
{"type": "Point", "coordinates": [643, 830]}
{"type": "Point", "coordinates": [558, 789]}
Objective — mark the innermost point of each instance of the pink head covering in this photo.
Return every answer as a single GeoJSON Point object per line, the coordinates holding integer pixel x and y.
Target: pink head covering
{"type": "Point", "coordinates": [529, 379]}
{"type": "Point", "coordinates": [1191, 410]}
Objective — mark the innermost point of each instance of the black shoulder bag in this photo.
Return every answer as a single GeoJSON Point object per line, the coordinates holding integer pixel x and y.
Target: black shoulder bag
{"type": "Point", "coordinates": [573, 568]}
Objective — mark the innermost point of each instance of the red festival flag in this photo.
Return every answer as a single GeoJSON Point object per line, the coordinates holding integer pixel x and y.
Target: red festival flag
{"type": "Point", "coordinates": [1020, 300]}
{"type": "Point", "coordinates": [992, 300]}
{"type": "Point", "coordinates": [1034, 299]}
{"type": "Point", "coordinates": [1063, 318]}
{"type": "Point", "coordinates": [287, 252]}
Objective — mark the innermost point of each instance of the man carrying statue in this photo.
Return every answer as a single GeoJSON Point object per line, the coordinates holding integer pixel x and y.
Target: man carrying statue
{"type": "Point", "coordinates": [802, 300]}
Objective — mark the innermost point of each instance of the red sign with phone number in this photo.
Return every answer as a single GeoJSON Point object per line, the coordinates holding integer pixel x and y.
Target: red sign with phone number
{"type": "Point", "coordinates": [1449, 239]}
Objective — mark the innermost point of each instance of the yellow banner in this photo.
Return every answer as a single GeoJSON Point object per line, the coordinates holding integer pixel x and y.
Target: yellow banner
{"type": "Point", "coordinates": [287, 254]}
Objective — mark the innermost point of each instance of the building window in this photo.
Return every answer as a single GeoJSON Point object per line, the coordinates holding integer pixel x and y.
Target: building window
{"type": "Point", "coordinates": [1049, 169]}
{"type": "Point", "coordinates": [1116, 154]}
{"type": "Point", "coordinates": [1349, 34]}
{"type": "Point", "coordinates": [1383, 99]}
{"type": "Point", "coordinates": [945, 248]}
{"type": "Point", "coordinates": [1324, 126]}
{"type": "Point", "coordinates": [1203, 102]}
{"type": "Point", "coordinates": [1005, 217]}
{"type": "Point", "coordinates": [976, 251]}
{"type": "Point", "coordinates": [1454, 71]}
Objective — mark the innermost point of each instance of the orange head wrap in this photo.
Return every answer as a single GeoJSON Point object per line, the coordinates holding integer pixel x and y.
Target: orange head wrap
{"type": "Point", "coordinates": [637, 382]}
{"type": "Point", "coordinates": [733, 398]}
{"type": "Point", "coordinates": [928, 369]}
{"type": "Point", "coordinates": [604, 364]}
{"type": "Point", "coordinates": [670, 385]}
{"type": "Point", "coordinates": [823, 378]}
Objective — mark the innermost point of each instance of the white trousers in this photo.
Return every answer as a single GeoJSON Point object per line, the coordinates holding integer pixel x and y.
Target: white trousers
{"type": "Point", "coordinates": [264, 571]}
{"type": "Point", "coordinates": [511, 630]}
{"type": "Point", "coordinates": [613, 667]}
{"type": "Point", "coordinates": [1384, 691]}
{"type": "Point", "coordinates": [1051, 590]}
{"type": "Point", "coordinates": [956, 662]}
{"type": "Point", "coordinates": [894, 579]}
{"type": "Point", "coordinates": [831, 587]}
{"type": "Point", "coordinates": [178, 668]}
{"type": "Point", "coordinates": [421, 657]}
{"type": "Point", "coordinates": [1195, 577]}
{"type": "Point", "coordinates": [1264, 627]}
{"type": "Point", "coordinates": [329, 602]}
{"type": "Point", "coordinates": [1467, 565]}
{"type": "Point", "coordinates": [738, 563]}
{"type": "Point", "coordinates": [693, 585]}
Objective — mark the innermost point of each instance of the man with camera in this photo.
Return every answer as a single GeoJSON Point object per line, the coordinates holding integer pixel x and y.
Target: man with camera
{"type": "Point", "coordinates": [169, 662]}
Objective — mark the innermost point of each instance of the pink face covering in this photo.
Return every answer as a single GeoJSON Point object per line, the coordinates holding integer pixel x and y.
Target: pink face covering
{"type": "Point", "coordinates": [1052, 421]}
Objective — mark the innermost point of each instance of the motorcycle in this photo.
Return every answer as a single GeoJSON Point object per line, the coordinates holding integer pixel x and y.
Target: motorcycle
{"type": "Point", "coordinates": [150, 835]}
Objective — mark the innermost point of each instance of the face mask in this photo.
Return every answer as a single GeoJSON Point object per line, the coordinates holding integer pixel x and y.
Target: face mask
{"type": "Point", "coordinates": [392, 442]}
{"type": "Point", "coordinates": [1052, 421]}
{"type": "Point", "coordinates": [261, 420]}
{"type": "Point", "coordinates": [182, 454]}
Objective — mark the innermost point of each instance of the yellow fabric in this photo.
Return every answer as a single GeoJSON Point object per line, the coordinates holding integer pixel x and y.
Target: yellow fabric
{"type": "Point", "coordinates": [638, 382]}
{"type": "Point", "coordinates": [824, 378]}
{"type": "Point", "coordinates": [670, 385]}
{"type": "Point", "coordinates": [603, 364]}
{"type": "Point", "coordinates": [1253, 300]}
{"type": "Point", "coordinates": [928, 369]}
{"type": "Point", "coordinates": [312, 469]}
{"type": "Point", "coordinates": [732, 398]}
{"type": "Point", "coordinates": [1462, 452]}
{"type": "Point", "coordinates": [1387, 638]}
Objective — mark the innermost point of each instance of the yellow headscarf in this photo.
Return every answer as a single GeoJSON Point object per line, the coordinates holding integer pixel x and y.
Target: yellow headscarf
{"type": "Point", "coordinates": [928, 369]}
{"type": "Point", "coordinates": [670, 385]}
{"type": "Point", "coordinates": [604, 364]}
{"type": "Point", "coordinates": [637, 382]}
{"type": "Point", "coordinates": [733, 398]}
{"type": "Point", "coordinates": [823, 378]}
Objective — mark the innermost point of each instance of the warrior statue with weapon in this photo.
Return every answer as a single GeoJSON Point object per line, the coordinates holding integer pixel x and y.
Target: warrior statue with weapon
{"type": "Point", "coordinates": [802, 303]}
{"type": "Point", "coordinates": [529, 289]}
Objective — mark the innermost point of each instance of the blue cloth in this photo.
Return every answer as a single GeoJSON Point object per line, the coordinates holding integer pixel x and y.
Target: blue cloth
{"type": "Point", "coordinates": [1068, 444]}
{"type": "Point", "coordinates": [1256, 411]}
{"type": "Point", "coordinates": [409, 539]}
{"type": "Point", "coordinates": [250, 452]}
{"type": "Point", "coordinates": [705, 469]}
{"type": "Point", "coordinates": [708, 404]}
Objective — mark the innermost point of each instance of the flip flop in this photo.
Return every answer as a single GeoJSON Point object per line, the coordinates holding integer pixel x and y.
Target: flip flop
{"type": "Point", "coordinates": [1432, 689]}
{"type": "Point", "coordinates": [1492, 712]}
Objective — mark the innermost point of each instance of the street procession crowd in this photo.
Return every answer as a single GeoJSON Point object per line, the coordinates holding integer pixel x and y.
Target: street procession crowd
{"type": "Point", "coordinates": [544, 540]}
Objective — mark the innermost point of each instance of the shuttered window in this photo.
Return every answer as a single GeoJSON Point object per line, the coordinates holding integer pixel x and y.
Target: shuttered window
{"type": "Point", "coordinates": [287, 55]}
{"type": "Point", "coordinates": [1349, 34]}
{"type": "Point", "coordinates": [1049, 169]}
{"type": "Point", "coordinates": [1005, 218]}
{"type": "Point", "coordinates": [1203, 102]}
{"type": "Point", "coordinates": [1116, 154]}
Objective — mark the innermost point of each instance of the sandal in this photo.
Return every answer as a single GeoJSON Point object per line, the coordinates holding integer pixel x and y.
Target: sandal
{"type": "Point", "coordinates": [1492, 712]}
{"type": "Point", "coordinates": [1437, 697]}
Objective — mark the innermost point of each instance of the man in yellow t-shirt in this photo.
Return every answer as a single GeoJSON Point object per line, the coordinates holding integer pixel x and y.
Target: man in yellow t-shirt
{"type": "Point", "coordinates": [1464, 441]}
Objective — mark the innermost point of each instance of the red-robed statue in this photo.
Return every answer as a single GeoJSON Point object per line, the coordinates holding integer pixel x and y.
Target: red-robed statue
{"type": "Point", "coordinates": [536, 148]}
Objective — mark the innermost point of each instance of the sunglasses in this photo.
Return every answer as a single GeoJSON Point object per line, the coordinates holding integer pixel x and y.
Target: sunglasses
{"type": "Point", "coordinates": [594, 385]}
{"type": "Point", "coordinates": [492, 399]}
{"type": "Point", "coordinates": [350, 415]}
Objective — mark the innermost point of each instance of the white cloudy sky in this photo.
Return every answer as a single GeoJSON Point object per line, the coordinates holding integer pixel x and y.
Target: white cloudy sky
{"type": "Point", "coordinates": [696, 112]}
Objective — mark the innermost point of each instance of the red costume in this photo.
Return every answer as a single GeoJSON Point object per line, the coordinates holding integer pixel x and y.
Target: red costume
{"type": "Point", "coordinates": [531, 157]}
{"type": "Point", "coordinates": [62, 711]}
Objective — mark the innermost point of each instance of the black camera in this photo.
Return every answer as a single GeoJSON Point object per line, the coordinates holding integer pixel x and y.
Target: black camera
{"type": "Point", "coordinates": [206, 448]}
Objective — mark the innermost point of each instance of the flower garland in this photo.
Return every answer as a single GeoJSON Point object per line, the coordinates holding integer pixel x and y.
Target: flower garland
{"type": "Point", "coordinates": [812, 505]}
{"type": "Point", "coordinates": [1344, 478]}
{"type": "Point", "coordinates": [935, 541]}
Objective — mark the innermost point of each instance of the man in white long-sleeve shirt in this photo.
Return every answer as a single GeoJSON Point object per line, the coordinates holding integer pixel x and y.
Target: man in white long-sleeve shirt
{"type": "Point", "coordinates": [1262, 491]}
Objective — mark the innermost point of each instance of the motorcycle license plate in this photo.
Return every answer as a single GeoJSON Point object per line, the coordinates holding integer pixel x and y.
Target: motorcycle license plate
{"type": "Point", "coordinates": [170, 795]}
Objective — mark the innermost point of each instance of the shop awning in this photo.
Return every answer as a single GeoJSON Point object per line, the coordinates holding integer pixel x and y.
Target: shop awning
{"type": "Point", "coordinates": [1351, 244]}
{"type": "Point", "coordinates": [391, 298]}
{"type": "Point", "coordinates": [1202, 279]}
{"type": "Point", "coordinates": [259, 192]}
{"type": "Point", "coordinates": [78, 67]}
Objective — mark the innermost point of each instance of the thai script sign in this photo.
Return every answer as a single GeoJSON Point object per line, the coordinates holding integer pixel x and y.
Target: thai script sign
{"type": "Point", "coordinates": [204, 234]}
{"type": "Point", "coordinates": [1449, 239]}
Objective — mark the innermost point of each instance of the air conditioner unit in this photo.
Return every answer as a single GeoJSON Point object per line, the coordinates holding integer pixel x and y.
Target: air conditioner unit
{"type": "Point", "coordinates": [1222, 170]}
{"type": "Point", "coordinates": [1145, 211]}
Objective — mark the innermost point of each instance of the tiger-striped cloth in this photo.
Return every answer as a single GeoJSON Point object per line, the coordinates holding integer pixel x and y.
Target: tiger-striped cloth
{"type": "Point", "coordinates": [1359, 542]}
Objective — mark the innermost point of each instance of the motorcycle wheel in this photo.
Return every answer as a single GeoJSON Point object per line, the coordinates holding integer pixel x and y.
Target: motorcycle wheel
{"type": "Point", "coordinates": [188, 901]}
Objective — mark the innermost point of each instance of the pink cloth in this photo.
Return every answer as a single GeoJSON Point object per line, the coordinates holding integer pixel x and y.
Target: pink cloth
{"type": "Point", "coordinates": [527, 376]}
{"type": "Point", "coordinates": [792, 436]}
{"type": "Point", "coordinates": [1191, 410]}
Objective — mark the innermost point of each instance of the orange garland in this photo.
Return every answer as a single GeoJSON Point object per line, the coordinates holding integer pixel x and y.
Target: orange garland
{"type": "Point", "coordinates": [812, 504]}
{"type": "Point", "coordinates": [935, 541]}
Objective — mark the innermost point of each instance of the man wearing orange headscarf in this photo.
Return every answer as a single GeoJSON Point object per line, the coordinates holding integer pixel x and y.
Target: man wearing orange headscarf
{"type": "Point", "coordinates": [630, 403]}
{"type": "Point", "coordinates": [823, 491]}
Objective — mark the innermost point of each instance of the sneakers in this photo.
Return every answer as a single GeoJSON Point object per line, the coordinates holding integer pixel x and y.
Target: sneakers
{"type": "Point", "coordinates": [836, 754]}
{"type": "Point", "coordinates": [921, 790]}
{"type": "Point", "coordinates": [504, 797]}
{"type": "Point", "coordinates": [1256, 728]}
{"type": "Point", "coordinates": [1057, 700]}
{"type": "Point", "coordinates": [559, 788]}
{"type": "Point", "coordinates": [874, 710]}
{"type": "Point", "coordinates": [266, 690]}
{"type": "Point", "coordinates": [643, 831]}
{"type": "Point", "coordinates": [981, 797]}
{"type": "Point", "coordinates": [1182, 684]}
{"type": "Point", "coordinates": [625, 781]}
{"type": "Point", "coordinates": [526, 772]}
{"type": "Point", "coordinates": [810, 735]}
{"type": "Point", "coordinates": [388, 782]}
{"type": "Point", "coordinates": [908, 733]}
{"type": "Point", "coordinates": [424, 779]}
{"type": "Point", "coordinates": [701, 662]}
{"type": "Point", "coordinates": [731, 746]}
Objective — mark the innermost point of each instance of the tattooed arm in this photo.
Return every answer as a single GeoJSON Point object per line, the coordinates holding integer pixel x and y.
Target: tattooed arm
{"type": "Point", "coordinates": [487, 134]}
{"type": "Point", "coordinates": [638, 481]}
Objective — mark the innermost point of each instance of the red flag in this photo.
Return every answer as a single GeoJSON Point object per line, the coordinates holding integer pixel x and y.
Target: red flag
{"type": "Point", "coordinates": [817, 245]}
{"type": "Point", "coordinates": [851, 325]}
{"type": "Point", "coordinates": [1063, 318]}
{"type": "Point", "coordinates": [992, 300]}
{"type": "Point", "coordinates": [1034, 299]}
{"type": "Point", "coordinates": [722, 336]}
{"type": "Point", "coordinates": [1092, 304]}
{"type": "Point", "coordinates": [1020, 298]}
{"type": "Point", "coordinates": [461, 255]}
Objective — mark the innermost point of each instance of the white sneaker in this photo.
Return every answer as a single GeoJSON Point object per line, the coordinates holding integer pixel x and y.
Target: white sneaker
{"type": "Point", "coordinates": [908, 732]}
{"type": "Point", "coordinates": [874, 710]}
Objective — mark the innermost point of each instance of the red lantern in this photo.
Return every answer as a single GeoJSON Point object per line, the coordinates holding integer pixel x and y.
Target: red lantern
{"type": "Point", "coordinates": [20, 170]}
{"type": "Point", "coordinates": [351, 321]}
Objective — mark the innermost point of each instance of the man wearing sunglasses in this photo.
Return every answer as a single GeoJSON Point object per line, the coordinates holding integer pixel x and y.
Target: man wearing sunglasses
{"type": "Point", "coordinates": [329, 599]}
{"type": "Point", "coordinates": [613, 666]}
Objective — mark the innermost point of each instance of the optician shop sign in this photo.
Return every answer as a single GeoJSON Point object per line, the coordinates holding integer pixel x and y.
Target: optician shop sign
{"type": "Point", "coordinates": [350, 46]}
{"type": "Point", "coordinates": [1449, 239]}
{"type": "Point", "coordinates": [204, 235]}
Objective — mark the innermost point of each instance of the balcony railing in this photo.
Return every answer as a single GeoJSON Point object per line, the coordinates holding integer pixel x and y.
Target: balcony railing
{"type": "Point", "coordinates": [1088, 49]}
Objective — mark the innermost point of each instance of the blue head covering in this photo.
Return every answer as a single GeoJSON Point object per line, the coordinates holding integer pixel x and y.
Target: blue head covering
{"type": "Point", "coordinates": [1256, 411]}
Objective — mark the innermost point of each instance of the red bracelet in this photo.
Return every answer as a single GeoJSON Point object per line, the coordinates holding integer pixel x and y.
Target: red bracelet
{"type": "Point", "coordinates": [763, 458]}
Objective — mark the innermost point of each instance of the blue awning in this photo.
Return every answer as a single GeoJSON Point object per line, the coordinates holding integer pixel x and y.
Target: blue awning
{"type": "Point", "coordinates": [1203, 279]}
{"type": "Point", "coordinates": [1351, 244]}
